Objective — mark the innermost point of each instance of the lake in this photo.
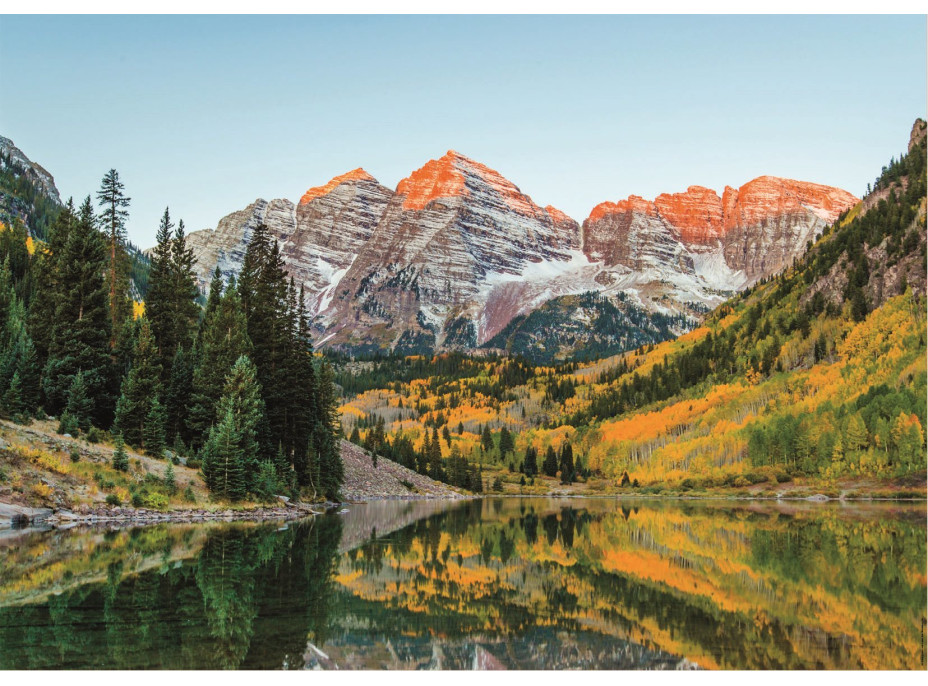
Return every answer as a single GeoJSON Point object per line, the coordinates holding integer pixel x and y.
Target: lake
{"type": "Point", "coordinates": [496, 583]}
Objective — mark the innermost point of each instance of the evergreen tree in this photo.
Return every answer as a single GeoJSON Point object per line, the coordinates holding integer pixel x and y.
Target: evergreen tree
{"type": "Point", "coordinates": [170, 481]}
{"type": "Point", "coordinates": [550, 463]}
{"type": "Point", "coordinates": [506, 444]}
{"type": "Point", "coordinates": [153, 433]}
{"type": "Point", "coordinates": [486, 439]}
{"type": "Point", "coordinates": [81, 334]}
{"type": "Point", "coordinates": [80, 402]}
{"type": "Point", "coordinates": [178, 394]}
{"type": "Point", "coordinates": [46, 268]}
{"type": "Point", "coordinates": [530, 464]}
{"type": "Point", "coordinates": [120, 458]}
{"type": "Point", "coordinates": [435, 462]}
{"type": "Point", "coordinates": [172, 292]}
{"type": "Point", "coordinates": [12, 401]}
{"type": "Point", "coordinates": [140, 389]}
{"type": "Point", "coordinates": [223, 341]}
{"type": "Point", "coordinates": [114, 202]}
{"type": "Point", "coordinates": [158, 308]}
{"type": "Point", "coordinates": [567, 464]}
{"type": "Point", "coordinates": [230, 455]}
{"type": "Point", "coordinates": [330, 468]}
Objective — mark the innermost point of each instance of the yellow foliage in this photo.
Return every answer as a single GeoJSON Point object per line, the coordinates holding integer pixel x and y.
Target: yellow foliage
{"type": "Point", "coordinates": [41, 490]}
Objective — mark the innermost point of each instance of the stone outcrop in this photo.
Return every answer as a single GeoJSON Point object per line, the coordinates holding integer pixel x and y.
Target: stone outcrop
{"type": "Point", "coordinates": [34, 171]}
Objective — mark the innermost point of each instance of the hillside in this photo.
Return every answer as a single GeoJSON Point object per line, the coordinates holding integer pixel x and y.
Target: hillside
{"type": "Point", "coordinates": [815, 375]}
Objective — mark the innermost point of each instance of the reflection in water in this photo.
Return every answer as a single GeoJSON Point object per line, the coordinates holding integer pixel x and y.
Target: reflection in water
{"type": "Point", "coordinates": [499, 583]}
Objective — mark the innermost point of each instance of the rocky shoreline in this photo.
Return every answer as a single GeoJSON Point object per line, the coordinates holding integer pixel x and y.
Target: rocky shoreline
{"type": "Point", "coordinates": [19, 517]}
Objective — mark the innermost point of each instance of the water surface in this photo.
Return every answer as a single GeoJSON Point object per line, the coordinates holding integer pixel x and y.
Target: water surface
{"type": "Point", "coordinates": [506, 583]}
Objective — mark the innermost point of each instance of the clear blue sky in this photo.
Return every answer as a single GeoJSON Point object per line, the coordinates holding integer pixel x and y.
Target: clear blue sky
{"type": "Point", "coordinates": [207, 113]}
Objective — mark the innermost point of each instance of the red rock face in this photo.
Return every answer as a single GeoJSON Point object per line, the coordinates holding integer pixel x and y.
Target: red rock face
{"type": "Point", "coordinates": [696, 214]}
{"type": "Point", "coordinates": [759, 228]}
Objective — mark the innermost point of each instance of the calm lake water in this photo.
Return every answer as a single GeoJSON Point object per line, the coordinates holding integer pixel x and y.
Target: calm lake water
{"type": "Point", "coordinates": [537, 583]}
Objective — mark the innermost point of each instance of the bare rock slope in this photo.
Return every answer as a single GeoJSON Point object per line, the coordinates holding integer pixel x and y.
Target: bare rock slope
{"type": "Point", "coordinates": [364, 481]}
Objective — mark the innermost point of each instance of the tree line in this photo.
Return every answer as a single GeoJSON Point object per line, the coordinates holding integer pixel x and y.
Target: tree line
{"type": "Point", "coordinates": [234, 385]}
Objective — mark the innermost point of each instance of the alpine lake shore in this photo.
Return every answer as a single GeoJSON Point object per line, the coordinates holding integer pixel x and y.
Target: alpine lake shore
{"type": "Point", "coordinates": [58, 481]}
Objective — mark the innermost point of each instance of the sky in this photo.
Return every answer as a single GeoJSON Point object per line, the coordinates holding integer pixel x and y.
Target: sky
{"type": "Point", "coordinates": [206, 114]}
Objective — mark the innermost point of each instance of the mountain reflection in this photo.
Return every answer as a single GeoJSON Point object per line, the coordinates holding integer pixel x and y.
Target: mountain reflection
{"type": "Point", "coordinates": [535, 583]}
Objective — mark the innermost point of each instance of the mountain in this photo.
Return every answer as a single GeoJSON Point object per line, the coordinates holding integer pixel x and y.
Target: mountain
{"type": "Point", "coordinates": [27, 191]}
{"type": "Point", "coordinates": [811, 381]}
{"type": "Point", "coordinates": [458, 256]}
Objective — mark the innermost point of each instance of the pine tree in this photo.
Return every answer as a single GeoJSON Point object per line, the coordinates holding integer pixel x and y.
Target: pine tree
{"type": "Point", "coordinates": [223, 341]}
{"type": "Point", "coordinates": [230, 461]}
{"type": "Point", "coordinates": [81, 334]}
{"type": "Point", "coordinates": [530, 464]}
{"type": "Point", "coordinates": [435, 462]}
{"type": "Point", "coordinates": [120, 458]}
{"type": "Point", "coordinates": [158, 305]}
{"type": "Point", "coordinates": [177, 395]}
{"type": "Point", "coordinates": [567, 464]}
{"type": "Point", "coordinates": [331, 470]}
{"type": "Point", "coordinates": [114, 202]}
{"type": "Point", "coordinates": [140, 389]}
{"type": "Point", "coordinates": [12, 402]}
{"type": "Point", "coordinates": [550, 463]}
{"type": "Point", "coordinates": [46, 267]}
{"type": "Point", "coordinates": [153, 433]}
{"type": "Point", "coordinates": [506, 444]}
{"type": "Point", "coordinates": [170, 481]}
{"type": "Point", "coordinates": [486, 439]}
{"type": "Point", "coordinates": [80, 402]}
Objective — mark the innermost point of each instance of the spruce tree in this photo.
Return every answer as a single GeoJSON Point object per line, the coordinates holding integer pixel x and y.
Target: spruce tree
{"type": "Point", "coordinates": [550, 463]}
{"type": "Point", "coordinates": [435, 462]}
{"type": "Point", "coordinates": [12, 401]}
{"type": "Point", "coordinates": [231, 451]}
{"type": "Point", "coordinates": [46, 268]}
{"type": "Point", "coordinates": [113, 201]}
{"type": "Point", "coordinates": [567, 464]}
{"type": "Point", "coordinates": [170, 480]}
{"type": "Point", "coordinates": [81, 333]}
{"type": "Point", "coordinates": [80, 402]}
{"type": "Point", "coordinates": [530, 464]}
{"type": "Point", "coordinates": [120, 458]}
{"type": "Point", "coordinates": [325, 435]}
{"type": "Point", "coordinates": [140, 389]}
{"type": "Point", "coordinates": [224, 339]}
{"type": "Point", "coordinates": [158, 305]}
{"type": "Point", "coordinates": [177, 395]}
{"type": "Point", "coordinates": [153, 432]}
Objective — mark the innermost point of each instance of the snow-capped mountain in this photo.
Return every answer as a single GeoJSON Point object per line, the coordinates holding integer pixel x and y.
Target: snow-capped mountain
{"type": "Point", "coordinates": [457, 251]}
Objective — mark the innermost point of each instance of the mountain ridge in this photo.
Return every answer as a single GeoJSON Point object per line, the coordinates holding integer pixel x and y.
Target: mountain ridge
{"type": "Point", "coordinates": [458, 248]}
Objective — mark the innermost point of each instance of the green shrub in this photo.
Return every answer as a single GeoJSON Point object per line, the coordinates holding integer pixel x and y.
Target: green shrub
{"type": "Point", "coordinates": [94, 435]}
{"type": "Point", "coordinates": [194, 463]}
{"type": "Point", "coordinates": [137, 500]}
{"type": "Point", "coordinates": [75, 454]}
{"type": "Point", "coordinates": [783, 477]}
{"type": "Point", "coordinates": [755, 477]}
{"type": "Point", "coordinates": [189, 495]}
{"type": "Point", "coordinates": [687, 484]}
{"type": "Point", "coordinates": [113, 499]}
{"type": "Point", "coordinates": [156, 501]}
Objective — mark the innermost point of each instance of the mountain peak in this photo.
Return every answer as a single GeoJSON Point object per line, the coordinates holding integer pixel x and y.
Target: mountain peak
{"type": "Point", "coordinates": [354, 175]}
{"type": "Point", "coordinates": [439, 178]}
